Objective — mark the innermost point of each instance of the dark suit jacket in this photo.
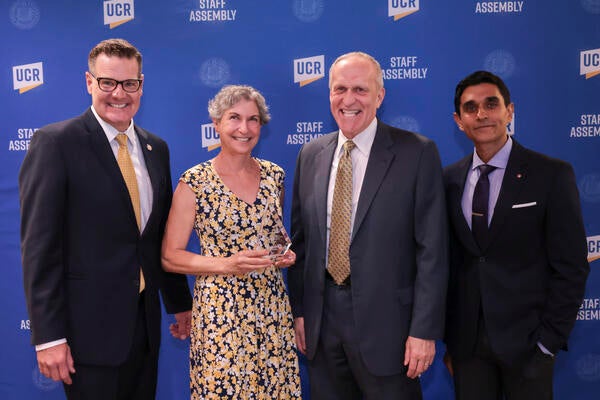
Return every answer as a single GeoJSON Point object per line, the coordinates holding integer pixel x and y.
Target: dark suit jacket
{"type": "Point", "coordinates": [530, 276]}
{"type": "Point", "coordinates": [398, 249]}
{"type": "Point", "coordinates": [81, 247]}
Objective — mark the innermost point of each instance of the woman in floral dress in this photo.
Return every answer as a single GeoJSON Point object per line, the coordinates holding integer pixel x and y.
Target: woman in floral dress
{"type": "Point", "coordinates": [242, 338]}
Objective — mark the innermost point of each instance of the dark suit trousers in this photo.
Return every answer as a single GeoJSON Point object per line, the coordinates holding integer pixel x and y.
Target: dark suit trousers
{"type": "Point", "coordinates": [337, 372]}
{"type": "Point", "coordinates": [485, 377]}
{"type": "Point", "coordinates": [135, 379]}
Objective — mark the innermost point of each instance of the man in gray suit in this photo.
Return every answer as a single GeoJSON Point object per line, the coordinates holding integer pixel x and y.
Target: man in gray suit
{"type": "Point", "coordinates": [368, 332]}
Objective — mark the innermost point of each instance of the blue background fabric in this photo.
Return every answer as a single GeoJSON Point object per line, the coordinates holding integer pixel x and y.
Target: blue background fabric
{"type": "Point", "coordinates": [548, 53]}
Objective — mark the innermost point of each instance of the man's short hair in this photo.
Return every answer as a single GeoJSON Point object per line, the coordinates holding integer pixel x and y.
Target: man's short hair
{"type": "Point", "coordinates": [476, 78]}
{"type": "Point", "coordinates": [115, 48]}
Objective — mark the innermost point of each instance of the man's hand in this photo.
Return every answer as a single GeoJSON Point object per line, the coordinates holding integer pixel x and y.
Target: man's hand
{"type": "Point", "coordinates": [419, 356]}
{"type": "Point", "coordinates": [56, 363]}
{"type": "Point", "coordinates": [300, 338]}
{"type": "Point", "coordinates": [181, 329]}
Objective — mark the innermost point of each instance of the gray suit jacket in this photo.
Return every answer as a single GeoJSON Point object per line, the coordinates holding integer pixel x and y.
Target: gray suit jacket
{"type": "Point", "coordinates": [398, 250]}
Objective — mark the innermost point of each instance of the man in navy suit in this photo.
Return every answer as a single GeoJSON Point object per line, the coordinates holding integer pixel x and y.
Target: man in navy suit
{"type": "Point", "coordinates": [518, 254]}
{"type": "Point", "coordinates": [91, 258]}
{"type": "Point", "coordinates": [372, 334]}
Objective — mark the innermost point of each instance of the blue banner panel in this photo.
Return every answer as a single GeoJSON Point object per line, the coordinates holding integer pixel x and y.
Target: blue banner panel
{"type": "Point", "coordinates": [548, 53]}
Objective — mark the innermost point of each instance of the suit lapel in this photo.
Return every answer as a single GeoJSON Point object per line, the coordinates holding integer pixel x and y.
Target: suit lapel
{"type": "Point", "coordinates": [455, 191]}
{"type": "Point", "coordinates": [513, 182]}
{"type": "Point", "coordinates": [379, 162]}
{"type": "Point", "coordinates": [322, 169]}
{"type": "Point", "coordinates": [101, 148]}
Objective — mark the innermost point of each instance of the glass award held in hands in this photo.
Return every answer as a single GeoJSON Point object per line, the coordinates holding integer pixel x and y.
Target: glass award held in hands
{"type": "Point", "coordinates": [278, 238]}
{"type": "Point", "coordinates": [271, 233]}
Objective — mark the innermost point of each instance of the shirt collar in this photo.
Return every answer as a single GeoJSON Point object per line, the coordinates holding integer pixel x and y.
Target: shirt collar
{"type": "Point", "coordinates": [363, 141]}
{"type": "Point", "coordinates": [499, 160]}
{"type": "Point", "coordinates": [110, 131]}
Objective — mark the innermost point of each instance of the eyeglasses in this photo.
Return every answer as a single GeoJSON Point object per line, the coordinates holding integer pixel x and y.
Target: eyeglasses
{"type": "Point", "coordinates": [109, 85]}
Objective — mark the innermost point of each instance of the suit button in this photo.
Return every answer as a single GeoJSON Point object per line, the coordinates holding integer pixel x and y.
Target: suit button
{"type": "Point", "coordinates": [481, 259]}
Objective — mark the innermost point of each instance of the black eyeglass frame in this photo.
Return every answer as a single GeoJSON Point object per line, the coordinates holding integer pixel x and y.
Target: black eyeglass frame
{"type": "Point", "coordinates": [117, 83]}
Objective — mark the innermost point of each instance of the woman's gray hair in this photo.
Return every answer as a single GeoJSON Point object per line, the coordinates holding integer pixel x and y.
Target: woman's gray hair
{"type": "Point", "coordinates": [230, 95]}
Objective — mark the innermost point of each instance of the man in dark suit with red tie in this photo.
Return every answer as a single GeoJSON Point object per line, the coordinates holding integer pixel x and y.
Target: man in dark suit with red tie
{"type": "Point", "coordinates": [518, 254]}
{"type": "Point", "coordinates": [95, 191]}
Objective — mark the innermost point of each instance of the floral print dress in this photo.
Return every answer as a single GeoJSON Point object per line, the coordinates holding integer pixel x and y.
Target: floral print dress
{"type": "Point", "coordinates": [242, 344]}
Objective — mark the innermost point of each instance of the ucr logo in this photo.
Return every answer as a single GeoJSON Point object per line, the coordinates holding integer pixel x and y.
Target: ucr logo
{"type": "Point", "coordinates": [27, 77]}
{"type": "Point", "coordinates": [589, 63]}
{"type": "Point", "coordinates": [401, 8]}
{"type": "Point", "coordinates": [118, 12]}
{"type": "Point", "coordinates": [593, 248]}
{"type": "Point", "coordinates": [308, 70]}
{"type": "Point", "coordinates": [210, 137]}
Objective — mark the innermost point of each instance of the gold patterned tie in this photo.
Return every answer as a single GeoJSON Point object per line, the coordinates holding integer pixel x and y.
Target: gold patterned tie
{"type": "Point", "coordinates": [126, 166]}
{"type": "Point", "coordinates": [341, 215]}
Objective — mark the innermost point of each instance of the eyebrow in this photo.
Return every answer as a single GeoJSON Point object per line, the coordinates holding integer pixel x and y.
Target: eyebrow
{"type": "Point", "coordinates": [236, 114]}
{"type": "Point", "coordinates": [487, 99]}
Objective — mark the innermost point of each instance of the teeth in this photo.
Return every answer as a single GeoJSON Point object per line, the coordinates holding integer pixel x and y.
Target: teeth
{"type": "Point", "coordinates": [241, 139]}
{"type": "Point", "coordinates": [348, 112]}
{"type": "Point", "coordinates": [118, 105]}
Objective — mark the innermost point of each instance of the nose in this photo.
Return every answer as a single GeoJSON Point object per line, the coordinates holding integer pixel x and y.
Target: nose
{"type": "Point", "coordinates": [118, 91]}
{"type": "Point", "coordinates": [481, 113]}
{"type": "Point", "coordinates": [243, 128]}
{"type": "Point", "coordinates": [348, 98]}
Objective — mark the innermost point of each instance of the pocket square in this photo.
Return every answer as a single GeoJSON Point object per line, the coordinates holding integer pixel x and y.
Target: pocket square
{"type": "Point", "coordinates": [523, 205]}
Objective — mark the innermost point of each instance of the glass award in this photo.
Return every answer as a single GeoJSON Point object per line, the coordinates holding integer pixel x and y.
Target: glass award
{"type": "Point", "coordinates": [273, 233]}
{"type": "Point", "coordinates": [279, 241]}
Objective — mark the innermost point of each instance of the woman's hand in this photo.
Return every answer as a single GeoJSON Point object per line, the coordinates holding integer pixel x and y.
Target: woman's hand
{"type": "Point", "coordinates": [287, 259]}
{"type": "Point", "coordinates": [246, 261]}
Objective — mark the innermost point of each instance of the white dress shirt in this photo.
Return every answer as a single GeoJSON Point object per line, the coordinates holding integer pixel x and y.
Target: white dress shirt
{"type": "Point", "coordinates": [499, 160]}
{"type": "Point", "coordinates": [360, 157]}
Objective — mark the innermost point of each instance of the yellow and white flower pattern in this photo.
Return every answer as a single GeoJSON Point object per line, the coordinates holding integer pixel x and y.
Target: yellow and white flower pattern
{"type": "Point", "coordinates": [242, 344]}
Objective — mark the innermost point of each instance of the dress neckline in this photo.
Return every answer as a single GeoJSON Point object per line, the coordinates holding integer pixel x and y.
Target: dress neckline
{"type": "Point", "coordinates": [234, 194]}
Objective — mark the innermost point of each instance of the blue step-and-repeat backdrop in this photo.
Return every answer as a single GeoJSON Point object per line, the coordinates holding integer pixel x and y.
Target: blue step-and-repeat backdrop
{"type": "Point", "coordinates": [547, 51]}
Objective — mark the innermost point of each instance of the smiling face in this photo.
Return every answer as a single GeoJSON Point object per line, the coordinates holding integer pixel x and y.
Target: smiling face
{"type": "Point", "coordinates": [355, 94]}
{"type": "Point", "coordinates": [239, 127]}
{"type": "Point", "coordinates": [117, 107]}
{"type": "Point", "coordinates": [484, 117]}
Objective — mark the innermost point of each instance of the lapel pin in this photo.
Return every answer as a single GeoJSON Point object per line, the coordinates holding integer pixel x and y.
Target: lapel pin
{"type": "Point", "coordinates": [519, 176]}
{"type": "Point", "coordinates": [149, 147]}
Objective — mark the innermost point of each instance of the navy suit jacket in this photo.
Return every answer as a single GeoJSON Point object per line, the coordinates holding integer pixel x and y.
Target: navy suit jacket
{"type": "Point", "coordinates": [398, 249]}
{"type": "Point", "coordinates": [529, 278]}
{"type": "Point", "coordinates": [81, 247]}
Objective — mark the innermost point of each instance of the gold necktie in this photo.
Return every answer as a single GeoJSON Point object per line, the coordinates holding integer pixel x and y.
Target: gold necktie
{"type": "Point", "coordinates": [126, 166]}
{"type": "Point", "coordinates": [341, 215]}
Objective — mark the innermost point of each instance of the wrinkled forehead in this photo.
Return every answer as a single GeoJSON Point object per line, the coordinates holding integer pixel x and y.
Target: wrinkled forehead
{"type": "Point", "coordinates": [354, 71]}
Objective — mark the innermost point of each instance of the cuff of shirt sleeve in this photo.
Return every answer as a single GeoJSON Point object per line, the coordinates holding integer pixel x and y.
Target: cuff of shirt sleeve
{"type": "Point", "coordinates": [544, 350]}
{"type": "Point", "coordinates": [47, 345]}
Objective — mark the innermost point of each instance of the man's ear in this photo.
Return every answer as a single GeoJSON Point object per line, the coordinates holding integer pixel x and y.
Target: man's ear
{"type": "Point", "coordinates": [458, 121]}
